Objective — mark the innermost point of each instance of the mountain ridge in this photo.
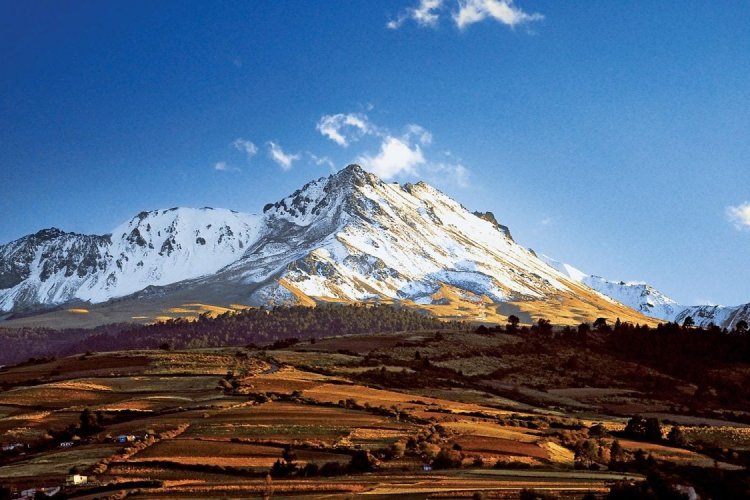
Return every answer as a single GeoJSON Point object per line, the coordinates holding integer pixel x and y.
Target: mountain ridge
{"type": "Point", "coordinates": [641, 296]}
{"type": "Point", "coordinates": [348, 237]}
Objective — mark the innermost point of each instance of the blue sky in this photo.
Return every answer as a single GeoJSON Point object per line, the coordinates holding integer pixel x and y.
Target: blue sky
{"type": "Point", "coordinates": [611, 135]}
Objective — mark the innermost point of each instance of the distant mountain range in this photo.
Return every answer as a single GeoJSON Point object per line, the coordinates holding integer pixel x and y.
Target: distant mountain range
{"type": "Point", "coordinates": [646, 299]}
{"type": "Point", "coordinates": [349, 237]}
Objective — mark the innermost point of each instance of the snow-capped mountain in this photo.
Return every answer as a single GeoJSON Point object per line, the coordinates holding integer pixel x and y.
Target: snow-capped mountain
{"type": "Point", "coordinates": [353, 237]}
{"type": "Point", "coordinates": [646, 299]}
{"type": "Point", "coordinates": [634, 294]}
{"type": "Point", "coordinates": [349, 237]}
{"type": "Point", "coordinates": [153, 248]}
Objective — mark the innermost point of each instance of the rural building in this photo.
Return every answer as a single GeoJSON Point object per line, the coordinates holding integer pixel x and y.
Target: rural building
{"type": "Point", "coordinates": [125, 438]}
{"type": "Point", "coordinates": [76, 480]}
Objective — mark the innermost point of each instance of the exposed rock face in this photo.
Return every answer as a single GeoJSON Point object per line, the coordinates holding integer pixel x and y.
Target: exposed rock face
{"type": "Point", "coordinates": [490, 217]}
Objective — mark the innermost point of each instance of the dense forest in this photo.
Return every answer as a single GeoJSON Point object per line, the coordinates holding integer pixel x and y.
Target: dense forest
{"type": "Point", "coordinates": [716, 360]}
{"type": "Point", "coordinates": [252, 326]}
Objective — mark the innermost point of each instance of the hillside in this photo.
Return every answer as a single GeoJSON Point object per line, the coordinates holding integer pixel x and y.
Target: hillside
{"type": "Point", "coordinates": [489, 411]}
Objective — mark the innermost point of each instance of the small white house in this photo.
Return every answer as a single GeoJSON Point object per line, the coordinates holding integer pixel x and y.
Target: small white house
{"type": "Point", "coordinates": [76, 480]}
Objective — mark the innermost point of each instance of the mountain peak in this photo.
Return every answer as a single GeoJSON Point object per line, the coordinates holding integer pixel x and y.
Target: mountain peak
{"type": "Point", "coordinates": [49, 233]}
{"type": "Point", "coordinates": [352, 169]}
{"type": "Point", "coordinates": [348, 236]}
{"type": "Point", "coordinates": [354, 175]}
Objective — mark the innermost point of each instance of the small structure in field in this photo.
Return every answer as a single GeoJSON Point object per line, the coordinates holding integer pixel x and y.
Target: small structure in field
{"type": "Point", "coordinates": [125, 438]}
{"type": "Point", "coordinates": [76, 480]}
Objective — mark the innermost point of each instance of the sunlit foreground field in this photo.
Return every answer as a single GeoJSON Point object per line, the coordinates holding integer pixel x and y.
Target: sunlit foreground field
{"type": "Point", "coordinates": [440, 415]}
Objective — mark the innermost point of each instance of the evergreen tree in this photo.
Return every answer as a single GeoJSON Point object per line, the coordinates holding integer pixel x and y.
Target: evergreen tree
{"type": "Point", "coordinates": [653, 430]}
{"type": "Point", "coordinates": [513, 321]}
{"type": "Point", "coordinates": [600, 324]}
{"type": "Point", "coordinates": [676, 437]}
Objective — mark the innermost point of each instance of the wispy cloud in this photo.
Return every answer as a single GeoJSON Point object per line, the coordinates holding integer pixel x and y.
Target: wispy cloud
{"type": "Point", "coordinates": [247, 147]}
{"type": "Point", "coordinates": [441, 172]}
{"type": "Point", "coordinates": [424, 14]}
{"type": "Point", "coordinates": [282, 159]}
{"type": "Point", "coordinates": [740, 215]}
{"type": "Point", "coordinates": [344, 128]}
{"type": "Point", "coordinates": [223, 166]}
{"type": "Point", "coordinates": [467, 12]}
{"type": "Point", "coordinates": [705, 302]}
{"type": "Point", "coordinates": [548, 221]}
{"type": "Point", "coordinates": [321, 160]}
{"type": "Point", "coordinates": [420, 133]}
{"type": "Point", "coordinates": [502, 11]}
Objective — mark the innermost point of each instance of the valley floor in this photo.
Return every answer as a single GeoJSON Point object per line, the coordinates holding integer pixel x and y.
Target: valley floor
{"type": "Point", "coordinates": [440, 414]}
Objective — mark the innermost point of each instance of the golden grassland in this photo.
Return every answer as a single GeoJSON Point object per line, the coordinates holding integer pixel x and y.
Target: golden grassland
{"type": "Point", "coordinates": [584, 305]}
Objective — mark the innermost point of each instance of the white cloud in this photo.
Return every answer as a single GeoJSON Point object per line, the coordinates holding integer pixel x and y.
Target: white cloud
{"type": "Point", "coordinates": [428, 12]}
{"type": "Point", "coordinates": [396, 157]}
{"type": "Point", "coordinates": [740, 215]}
{"type": "Point", "coordinates": [321, 160]}
{"type": "Point", "coordinates": [345, 128]}
{"type": "Point", "coordinates": [503, 11]}
{"type": "Point", "coordinates": [425, 14]}
{"type": "Point", "coordinates": [284, 160]}
{"type": "Point", "coordinates": [247, 147]}
{"type": "Point", "coordinates": [222, 166]}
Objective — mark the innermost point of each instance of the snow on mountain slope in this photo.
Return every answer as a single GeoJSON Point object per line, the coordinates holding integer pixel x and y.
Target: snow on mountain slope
{"type": "Point", "coordinates": [634, 294]}
{"type": "Point", "coordinates": [353, 237]}
{"type": "Point", "coordinates": [722, 316]}
{"type": "Point", "coordinates": [651, 302]}
{"type": "Point", "coordinates": [348, 237]}
{"type": "Point", "coordinates": [153, 248]}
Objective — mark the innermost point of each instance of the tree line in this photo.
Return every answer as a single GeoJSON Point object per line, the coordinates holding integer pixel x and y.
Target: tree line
{"type": "Point", "coordinates": [250, 326]}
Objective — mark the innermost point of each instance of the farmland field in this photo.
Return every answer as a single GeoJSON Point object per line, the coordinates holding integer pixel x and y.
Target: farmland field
{"type": "Point", "coordinates": [214, 422]}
